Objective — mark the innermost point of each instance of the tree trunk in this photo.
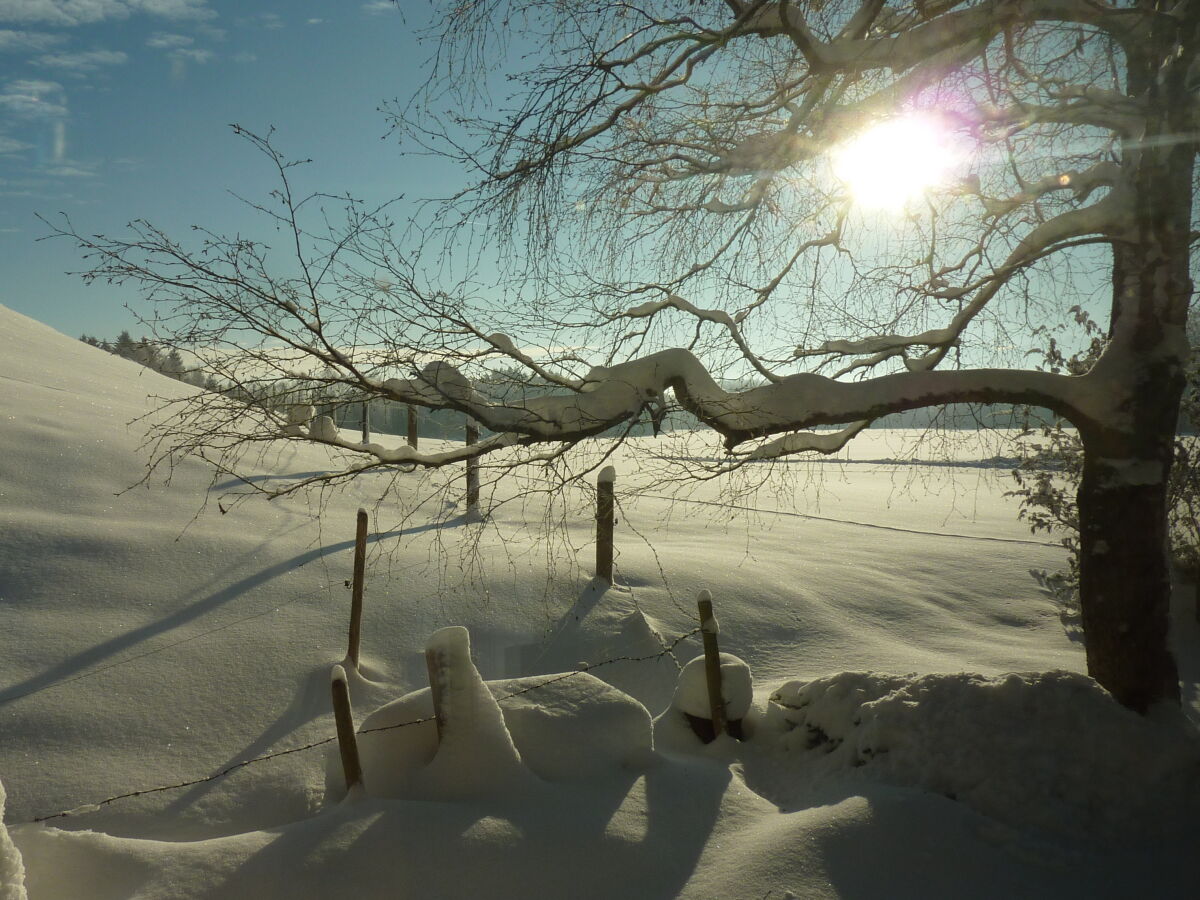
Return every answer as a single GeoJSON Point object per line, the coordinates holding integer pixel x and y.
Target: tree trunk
{"type": "Point", "coordinates": [1125, 580]}
{"type": "Point", "coordinates": [1125, 575]}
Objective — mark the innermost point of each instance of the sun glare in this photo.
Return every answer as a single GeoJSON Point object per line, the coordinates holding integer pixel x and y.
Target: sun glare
{"type": "Point", "coordinates": [895, 162]}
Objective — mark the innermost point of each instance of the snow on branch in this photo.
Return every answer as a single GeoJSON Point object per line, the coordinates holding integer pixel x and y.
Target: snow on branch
{"type": "Point", "coordinates": [611, 395]}
{"type": "Point", "coordinates": [808, 441]}
{"type": "Point", "coordinates": [717, 316]}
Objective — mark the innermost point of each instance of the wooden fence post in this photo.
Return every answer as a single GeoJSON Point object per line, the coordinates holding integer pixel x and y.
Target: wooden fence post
{"type": "Point", "coordinates": [412, 426]}
{"type": "Point", "coordinates": [435, 664]}
{"type": "Point", "coordinates": [366, 422]}
{"type": "Point", "coordinates": [356, 595]}
{"type": "Point", "coordinates": [343, 717]}
{"type": "Point", "coordinates": [472, 474]}
{"type": "Point", "coordinates": [712, 662]}
{"type": "Point", "coordinates": [605, 508]}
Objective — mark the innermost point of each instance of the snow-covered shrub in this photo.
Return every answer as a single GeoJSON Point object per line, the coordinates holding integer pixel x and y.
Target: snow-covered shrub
{"type": "Point", "coordinates": [1049, 750]}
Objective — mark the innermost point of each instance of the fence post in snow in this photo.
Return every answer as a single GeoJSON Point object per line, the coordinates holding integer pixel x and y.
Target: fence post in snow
{"type": "Point", "coordinates": [356, 595]}
{"type": "Point", "coordinates": [435, 664]}
{"type": "Point", "coordinates": [366, 422]}
{"type": "Point", "coordinates": [412, 426]}
{"type": "Point", "coordinates": [712, 662]}
{"type": "Point", "coordinates": [472, 475]}
{"type": "Point", "coordinates": [605, 507]}
{"type": "Point", "coordinates": [343, 717]}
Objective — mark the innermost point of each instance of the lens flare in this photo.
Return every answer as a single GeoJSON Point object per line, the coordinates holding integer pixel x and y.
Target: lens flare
{"type": "Point", "coordinates": [897, 161]}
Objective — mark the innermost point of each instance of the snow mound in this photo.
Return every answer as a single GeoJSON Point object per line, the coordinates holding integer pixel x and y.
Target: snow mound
{"type": "Point", "coordinates": [564, 727]}
{"type": "Point", "coordinates": [12, 870]}
{"type": "Point", "coordinates": [737, 688]}
{"type": "Point", "coordinates": [475, 753]}
{"type": "Point", "coordinates": [1050, 750]}
{"type": "Point", "coordinates": [574, 726]}
{"type": "Point", "coordinates": [672, 730]}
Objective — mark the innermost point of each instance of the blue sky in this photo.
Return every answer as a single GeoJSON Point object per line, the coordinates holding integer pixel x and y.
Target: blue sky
{"type": "Point", "coordinates": [118, 109]}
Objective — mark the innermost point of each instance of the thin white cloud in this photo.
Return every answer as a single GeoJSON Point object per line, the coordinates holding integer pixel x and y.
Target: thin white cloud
{"type": "Point", "coordinates": [67, 13]}
{"type": "Point", "coordinates": [163, 41]}
{"type": "Point", "coordinates": [61, 12]}
{"type": "Point", "coordinates": [174, 9]}
{"type": "Point", "coordinates": [378, 6]}
{"type": "Point", "coordinates": [268, 20]}
{"type": "Point", "coordinates": [82, 61]}
{"type": "Point", "coordinates": [12, 145]}
{"type": "Point", "coordinates": [29, 98]}
{"type": "Point", "coordinates": [69, 169]}
{"type": "Point", "coordinates": [192, 55]}
{"type": "Point", "coordinates": [37, 41]}
{"type": "Point", "coordinates": [182, 56]}
{"type": "Point", "coordinates": [313, 21]}
{"type": "Point", "coordinates": [245, 56]}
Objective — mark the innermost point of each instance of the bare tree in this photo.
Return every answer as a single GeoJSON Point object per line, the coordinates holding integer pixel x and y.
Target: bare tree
{"type": "Point", "coordinates": [661, 180]}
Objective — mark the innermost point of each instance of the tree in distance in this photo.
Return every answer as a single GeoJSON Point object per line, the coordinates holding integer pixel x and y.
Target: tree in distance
{"type": "Point", "coordinates": [859, 205]}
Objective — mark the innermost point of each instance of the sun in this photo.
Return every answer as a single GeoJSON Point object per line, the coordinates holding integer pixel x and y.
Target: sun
{"type": "Point", "coordinates": [890, 164]}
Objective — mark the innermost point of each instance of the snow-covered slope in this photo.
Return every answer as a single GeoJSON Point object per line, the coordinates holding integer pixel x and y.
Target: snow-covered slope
{"type": "Point", "coordinates": [143, 644]}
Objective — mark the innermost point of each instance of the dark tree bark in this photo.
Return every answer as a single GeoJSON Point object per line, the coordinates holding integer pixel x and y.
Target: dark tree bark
{"type": "Point", "coordinates": [1125, 571]}
{"type": "Point", "coordinates": [1125, 585]}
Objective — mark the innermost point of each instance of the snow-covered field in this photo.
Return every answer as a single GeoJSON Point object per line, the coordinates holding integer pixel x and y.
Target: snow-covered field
{"type": "Point", "coordinates": [880, 606]}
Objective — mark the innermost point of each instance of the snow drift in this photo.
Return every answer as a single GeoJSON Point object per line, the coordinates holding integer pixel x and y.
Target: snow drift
{"type": "Point", "coordinates": [1051, 751]}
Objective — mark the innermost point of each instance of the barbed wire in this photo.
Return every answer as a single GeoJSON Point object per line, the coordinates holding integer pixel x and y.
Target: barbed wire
{"type": "Point", "coordinates": [799, 515]}
{"type": "Point", "coordinates": [584, 668]}
{"type": "Point", "coordinates": [667, 650]}
{"type": "Point", "coordinates": [127, 660]}
{"type": "Point", "coordinates": [9, 698]}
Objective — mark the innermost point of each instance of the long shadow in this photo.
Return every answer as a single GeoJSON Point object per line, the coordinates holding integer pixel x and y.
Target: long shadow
{"type": "Point", "coordinates": [621, 837]}
{"type": "Point", "coordinates": [568, 623]}
{"type": "Point", "coordinates": [311, 701]}
{"type": "Point", "coordinates": [271, 476]}
{"type": "Point", "coordinates": [78, 663]}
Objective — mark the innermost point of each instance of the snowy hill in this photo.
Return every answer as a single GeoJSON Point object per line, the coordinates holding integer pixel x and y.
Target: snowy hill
{"type": "Point", "coordinates": [148, 640]}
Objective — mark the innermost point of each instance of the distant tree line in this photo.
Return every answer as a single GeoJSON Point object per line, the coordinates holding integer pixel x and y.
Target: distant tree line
{"type": "Point", "coordinates": [152, 356]}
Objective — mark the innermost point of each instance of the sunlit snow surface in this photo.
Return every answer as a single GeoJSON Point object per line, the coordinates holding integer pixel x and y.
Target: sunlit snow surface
{"type": "Point", "coordinates": [141, 645]}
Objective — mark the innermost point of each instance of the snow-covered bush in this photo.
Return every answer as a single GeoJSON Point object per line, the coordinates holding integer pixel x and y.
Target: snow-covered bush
{"type": "Point", "coordinates": [993, 743]}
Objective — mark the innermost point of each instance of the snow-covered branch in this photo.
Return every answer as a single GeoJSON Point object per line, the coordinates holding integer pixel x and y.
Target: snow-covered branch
{"type": "Point", "coordinates": [610, 395]}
